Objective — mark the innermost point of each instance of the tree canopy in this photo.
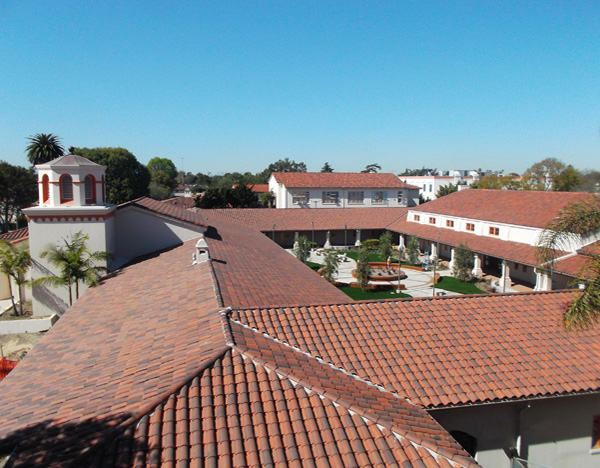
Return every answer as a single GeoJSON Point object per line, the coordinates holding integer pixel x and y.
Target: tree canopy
{"type": "Point", "coordinates": [551, 174]}
{"type": "Point", "coordinates": [163, 177]}
{"type": "Point", "coordinates": [44, 147]}
{"type": "Point", "coordinates": [372, 168]}
{"type": "Point", "coordinates": [241, 196]}
{"type": "Point", "coordinates": [326, 168]}
{"type": "Point", "coordinates": [126, 178]}
{"type": "Point", "coordinates": [18, 190]}
{"type": "Point", "coordinates": [446, 190]}
{"type": "Point", "coordinates": [14, 263]}
{"type": "Point", "coordinates": [499, 182]}
{"type": "Point", "coordinates": [419, 172]}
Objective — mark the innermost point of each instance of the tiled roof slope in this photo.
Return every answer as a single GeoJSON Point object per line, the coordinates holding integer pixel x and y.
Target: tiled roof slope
{"type": "Point", "coordinates": [509, 250]}
{"type": "Point", "coordinates": [253, 271]}
{"type": "Point", "coordinates": [123, 346]}
{"type": "Point", "coordinates": [15, 236]}
{"type": "Point", "coordinates": [167, 209]}
{"type": "Point", "coordinates": [293, 219]}
{"type": "Point", "coordinates": [184, 202]}
{"type": "Point", "coordinates": [518, 207]}
{"type": "Point", "coordinates": [447, 351]}
{"type": "Point", "coordinates": [339, 180]}
{"type": "Point", "coordinates": [372, 403]}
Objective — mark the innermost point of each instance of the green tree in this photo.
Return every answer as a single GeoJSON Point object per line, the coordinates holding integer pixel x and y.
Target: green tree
{"type": "Point", "coordinates": [326, 168]}
{"type": "Point", "coordinates": [372, 168]}
{"type": "Point", "coordinates": [590, 181]}
{"type": "Point", "coordinates": [302, 249]}
{"type": "Point", "coordinates": [419, 172]}
{"type": "Point", "coordinates": [385, 245]}
{"type": "Point", "coordinates": [363, 269]}
{"type": "Point", "coordinates": [463, 263]}
{"type": "Point", "coordinates": [412, 250]}
{"type": "Point", "coordinates": [164, 174]}
{"type": "Point", "coordinates": [551, 174]}
{"type": "Point", "coordinates": [499, 182]}
{"type": "Point", "coordinates": [126, 178]}
{"type": "Point", "coordinates": [18, 190]}
{"type": "Point", "coordinates": [331, 261]}
{"type": "Point", "coordinates": [561, 234]}
{"type": "Point", "coordinates": [282, 165]}
{"type": "Point", "coordinates": [77, 264]}
{"type": "Point", "coordinates": [44, 147]}
{"type": "Point", "coordinates": [567, 180]}
{"type": "Point", "coordinates": [14, 263]}
{"type": "Point", "coordinates": [446, 190]}
{"type": "Point", "coordinates": [241, 196]}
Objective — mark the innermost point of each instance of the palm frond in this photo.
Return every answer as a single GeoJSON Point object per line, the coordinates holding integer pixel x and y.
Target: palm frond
{"type": "Point", "coordinates": [584, 311]}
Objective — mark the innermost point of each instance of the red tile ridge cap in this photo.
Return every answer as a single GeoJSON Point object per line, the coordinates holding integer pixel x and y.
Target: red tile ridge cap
{"type": "Point", "coordinates": [429, 445]}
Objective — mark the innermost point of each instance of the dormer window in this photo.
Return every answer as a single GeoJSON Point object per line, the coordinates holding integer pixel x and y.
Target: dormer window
{"type": "Point", "coordinates": [90, 190]}
{"type": "Point", "coordinates": [66, 189]}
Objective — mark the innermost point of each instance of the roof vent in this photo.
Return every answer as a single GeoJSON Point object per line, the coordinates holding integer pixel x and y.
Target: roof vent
{"type": "Point", "coordinates": [202, 253]}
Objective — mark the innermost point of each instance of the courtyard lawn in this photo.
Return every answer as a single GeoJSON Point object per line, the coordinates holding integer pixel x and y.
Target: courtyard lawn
{"type": "Point", "coordinates": [373, 257]}
{"type": "Point", "coordinates": [315, 266]}
{"type": "Point", "coordinates": [450, 283]}
{"type": "Point", "coordinates": [358, 295]}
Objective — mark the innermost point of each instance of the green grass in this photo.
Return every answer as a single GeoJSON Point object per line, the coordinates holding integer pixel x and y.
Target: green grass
{"type": "Point", "coordinates": [373, 257]}
{"type": "Point", "coordinates": [449, 283]}
{"type": "Point", "coordinates": [358, 295]}
{"type": "Point", "coordinates": [315, 266]}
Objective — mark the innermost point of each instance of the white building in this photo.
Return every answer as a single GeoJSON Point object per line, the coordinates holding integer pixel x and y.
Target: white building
{"type": "Point", "coordinates": [341, 190]}
{"type": "Point", "coordinates": [431, 183]}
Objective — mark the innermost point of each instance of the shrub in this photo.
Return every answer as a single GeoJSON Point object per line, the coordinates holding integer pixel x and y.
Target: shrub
{"type": "Point", "coordinates": [332, 261]}
{"type": "Point", "coordinates": [385, 245]}
{"type": "Point", "coordinates": [363, 269]}
{"type": "Point", "coordinates": [371, 244]}
{"type": "Point", "coordinates": [463, 263]}
{"type": "Point", "coordinates": [412, 250]}
{"type": "Point", "coordinates": [302, 250]}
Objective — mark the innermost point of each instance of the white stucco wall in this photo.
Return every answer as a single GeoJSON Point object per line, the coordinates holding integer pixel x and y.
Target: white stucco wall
{"type": "Point", "coordinates": [140, 232]}
{"type": "Point", "coordinates": [286, 198]}
{"type": "Point", "coordinates": [555, 432]}
{"type": "Point", "coordinates": [429, 185]}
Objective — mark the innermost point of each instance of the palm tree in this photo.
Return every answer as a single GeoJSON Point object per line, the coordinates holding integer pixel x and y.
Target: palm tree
{"type": "Point", "coordinates": [14, 263]}
{"type": "Point", "coordinates": [76, 264]}
{"type": "Point", "coordinates": [44, 147]}
{"type": "Point", "coordinates": [574, 221]}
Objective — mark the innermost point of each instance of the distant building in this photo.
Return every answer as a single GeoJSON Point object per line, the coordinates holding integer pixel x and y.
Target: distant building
{"type": "Point", "coordinates": [341, 190]}
{"type": "Point", "coordinates": [431, 183]}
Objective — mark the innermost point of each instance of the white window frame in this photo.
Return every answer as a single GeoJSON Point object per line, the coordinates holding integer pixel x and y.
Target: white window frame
{"type": "Point", "coordinates": [356, 197]}
{"type": "Point", "coordinates": [330, 197]}
{"type": "Point", "coordinates": [378, 197]}
{"type": "Point", "coordinates": [300, 198]}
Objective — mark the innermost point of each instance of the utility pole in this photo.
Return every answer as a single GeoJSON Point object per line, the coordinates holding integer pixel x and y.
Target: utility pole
{"type": "Point", "coordinates": [435, 260]}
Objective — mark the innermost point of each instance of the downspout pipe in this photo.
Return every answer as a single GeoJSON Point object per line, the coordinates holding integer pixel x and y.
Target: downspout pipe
{"type": "Point", "coordinates": [520, 427]}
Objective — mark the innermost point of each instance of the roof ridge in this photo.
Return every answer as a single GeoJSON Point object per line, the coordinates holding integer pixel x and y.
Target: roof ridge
{"type": "Point", "coordinates": [337, 399]}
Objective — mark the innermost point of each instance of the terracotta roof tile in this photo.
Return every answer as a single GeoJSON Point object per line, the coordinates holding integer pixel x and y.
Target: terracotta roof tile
{"type": "Point", "coordinates": [17, 235]}
{"type": "Point", "coordinates": [292, 219]}
{"type": "Point", "coordinates": [184, 202]}
{"type": "Point", "coordinates": [244, 266]}
{"type": "Point", "coordinates": [519, 207]}
{"type": "Point", "coordinates": [339, 179]}
{"type": "Point", "coordinates": [440, 352]}
{"type": "Point", "coordinates": [171, 210]}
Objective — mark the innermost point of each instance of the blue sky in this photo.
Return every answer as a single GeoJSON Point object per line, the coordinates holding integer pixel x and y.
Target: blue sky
{"type": "Point", "coordinates": [232, 86]}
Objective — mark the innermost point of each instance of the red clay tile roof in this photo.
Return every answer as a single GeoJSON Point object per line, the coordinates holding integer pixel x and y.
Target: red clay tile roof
{"type": "Point", "coordinates": [15, 236]}
{"type": "Point", "coordinates": [446, 351]}
{"type": "Point", "coordinates": [123, 346]}
{"type": "Point", "coordinates": [253, 271]}
{"type": "Point", "coordinates": [167, 209]}
{"type": "Point", "coordinates": [184, 202]}
{"type": "Point", "coordinates": [292, 219]}
{"type": "Point", "coordinates": [339, 180]}
{"type": "Point", "coordinates": [591, 249]}
{"type": "Point", "coordinates": [257, 188]}
{"type": "Point", "coordinates": [519, 207]}
{"type": "Point", "coordinates": [513, 251]}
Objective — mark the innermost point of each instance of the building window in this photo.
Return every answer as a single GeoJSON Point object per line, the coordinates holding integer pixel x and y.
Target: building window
{"type": "Point", "coordinates": [431, 220]}
{"type": "Point", "coordinates": [66, 189]}
{"type": "Point", "coordinates": [424, 187]}
{"type": "Point", "coordinates": [90, 190]}
{"type": "Point", "coordinates": [378, 197]}
{"type": "Point", "coordinates": [300, 198]}
{"type": "Point", "coordinates": [470, 227]}
{"type": "Point", "coordinates": [417, 218]}
{"type": "Point", "coordinates": [449, 223]}
{"type": "Point", "coordinates": [45, 189]}
{"type": "Point", "coordinates": [494, 231]}
{"type": "Point", "coordinates": [356, 197]}
{"type": "Point", "coordinates": [399, 197]}
{"type": "Point", "coordinates": [330, 198]}
{"type": "Point", "coordinates": [524, 268]}
{"type": "Point", "coordinates": [431, 187]}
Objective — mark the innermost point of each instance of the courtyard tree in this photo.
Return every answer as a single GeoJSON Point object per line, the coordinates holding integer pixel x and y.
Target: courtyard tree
{"type": "Point", "coordinates": [76, 263]}
{"type": "Point", "coordinates": [363, 269]}
{"type": "Point", "coordinates": [14, 263]}
{"type": "Point", "coordinates": [18, 190]}
{"type": "Point", "coordinates": [44, 147]}
{"type": "Point", "coordinates": [385, 245]}
{"type": "Point", "coordinates": [412, 250]}
{"type": "Point", "coordinates": [126, 178]}
{"type": "Point", "coordinates": [302, 249]}
{"type": "Point", "coordinates": [561, 234]}
{"type": "Point", "coordinates": [332, 262]}
{"type": "Point", "coordinates": [267, 199]}
{"type": "Point", "coordinates": [463, 263]}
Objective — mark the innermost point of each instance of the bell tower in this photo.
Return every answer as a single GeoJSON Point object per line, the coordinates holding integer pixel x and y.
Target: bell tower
{"type": "Point", "coordinates": [72, 198]}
